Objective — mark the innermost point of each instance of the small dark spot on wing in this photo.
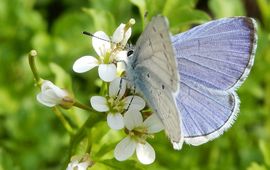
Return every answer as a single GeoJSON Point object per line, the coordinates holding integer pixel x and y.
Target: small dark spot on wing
{"type": "Point", "coordinates": [163, 87]}
{"type": "Point", "coordinates": [150, 43]}
{"type": "Point", "coordinates": [164, 46]}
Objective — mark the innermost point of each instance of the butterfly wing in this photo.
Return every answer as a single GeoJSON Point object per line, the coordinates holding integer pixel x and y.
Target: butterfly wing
{"type": "Point", "coordinates": [218, 54]}
{"type": "Point", "coordinates": [206, 113]}
{"type": "Point", "coordinates": [153, 70]}
{"type": "Point", "coordinates": [213, 60]}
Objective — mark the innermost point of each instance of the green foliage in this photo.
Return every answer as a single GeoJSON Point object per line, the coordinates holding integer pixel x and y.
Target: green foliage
{"type": "Point", "coordinates": [227, 8]}
{"type": "Point", "coordinates": [32, 137]}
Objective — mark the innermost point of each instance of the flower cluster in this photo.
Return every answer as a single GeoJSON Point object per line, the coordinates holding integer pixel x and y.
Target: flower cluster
{"type": "Point", "coordinates": [115, 104]}
{"type": "Point", "coordinates": [124, 112]}
{"type": "Point", "coordinates": [124, 109]}
{"type": "Point", "coordinates": [109, 52]}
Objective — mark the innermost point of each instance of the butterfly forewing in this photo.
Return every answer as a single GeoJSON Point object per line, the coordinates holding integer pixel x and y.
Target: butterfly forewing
{"type": "Point", "coordinates": [153, 70]}
{"type": "Point", "coordinates": [218, 54]}
{"type": "Point", "coordinates": [154, 48]}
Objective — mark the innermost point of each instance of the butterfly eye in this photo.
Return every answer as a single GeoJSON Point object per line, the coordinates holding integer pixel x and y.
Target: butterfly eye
{"type": "Point", "coordinates": [129, 53]}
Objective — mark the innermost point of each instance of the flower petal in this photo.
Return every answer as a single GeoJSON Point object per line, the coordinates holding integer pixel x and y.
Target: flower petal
{"type": "Point", "coordinates": [60, 93]}
{"type": "Point", "coordinates": [121, 56]}
{"type": "Point", "coordinates": [44, 101]}
{"type": "Point", "coordinates": [53, 91]}
{"type": "Point", "coordinates": [102, 45]}
{"type": "Point", "coordinates": [50, 95]}
{"type": "Point", "coordinates": [134, 102]}
{"type": "Point", "coordinates": [121, 68]}
{"type": "Point", "coordinates": [124, 149]}
{"type": "Point", "coordinates": [153, 124]}
{"type": "Point", "coordinates": [84, 64]}
{"type": "Point", "coordinates": [118, 34]}
{"type": "Point", "coordinates": [107, 72]}
{"type": "Point", "coordinates": [99, 103]}
{"type": "Point", "coordinates": [46, 84]}
{"type": "Point", "coordinates": [117, 88]}
{"type": "Point", "coordinates": [115, 121]}
{"type": "Point", "coordinates": [126, 37]}
{"type": "Point", "coordinates": [145, 153]}
{"type": "Point", "coordinates": [133, 118]}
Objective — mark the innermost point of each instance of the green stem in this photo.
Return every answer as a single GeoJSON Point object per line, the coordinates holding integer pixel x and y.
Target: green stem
{"type": "Point", "coordinates": [31, 58]}
{"type": "Point", "coordinates": [104, 88]}
{"type": "Point", "coordinates": [82, 106]}
{"type": "Point", "coordinates": [62, 118]}
{"type": "Point", "coordinates": [82, 132]}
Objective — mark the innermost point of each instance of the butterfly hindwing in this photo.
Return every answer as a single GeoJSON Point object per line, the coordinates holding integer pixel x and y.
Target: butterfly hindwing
{"type": "Point", "coordinates": [206, 113]}
{"type": "Point", "coordinates": [163, 103]}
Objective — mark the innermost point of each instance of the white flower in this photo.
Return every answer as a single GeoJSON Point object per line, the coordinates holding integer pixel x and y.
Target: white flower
{"type": "Point", "coordinates": [79, 163]}
{"type": "Point", "coordinates": [121, 34]}
{"type": "Point", "coordinates": [51, 95]}
{"type": "Point", "coordinates": [108, 51]}
{"type": "Point", "coordinates": [115, 104]}
{"type": "Point", "coordinates": [138, 131]}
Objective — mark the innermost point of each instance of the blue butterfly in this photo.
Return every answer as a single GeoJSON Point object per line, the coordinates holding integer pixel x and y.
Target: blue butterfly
{"type": "Point", "coordinates": [189, 80]}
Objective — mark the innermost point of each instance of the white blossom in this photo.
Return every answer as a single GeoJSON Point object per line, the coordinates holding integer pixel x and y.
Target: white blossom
{"type": "Point", "coordinates": [138, 132]}
{"type": "Point", "coordinates": [116, 104]}
{"type": "Point", "coordinates": [51, 95]}
{"type": "Point", "coordinates": [109, 52]}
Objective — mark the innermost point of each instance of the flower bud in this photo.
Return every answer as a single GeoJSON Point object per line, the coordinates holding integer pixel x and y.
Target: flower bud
{"type": "Point", "coordinates": [51, 95]}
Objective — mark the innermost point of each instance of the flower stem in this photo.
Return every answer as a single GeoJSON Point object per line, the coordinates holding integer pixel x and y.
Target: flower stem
{"type": "Point", "coordinates": [82, 106]}
{"type": "Point", "coordinates": [91, 121]}
{"type": "Point", "coordinates": [31, 58]}
{"type": "Point", "coordinates": [104, 88]}
{"type": "Point", "coordinates": [65, 123]}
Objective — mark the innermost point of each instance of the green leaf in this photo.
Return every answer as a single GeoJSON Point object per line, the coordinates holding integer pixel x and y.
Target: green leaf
{"type": "Point", "coordinates": [103, 20]}
{"type": "Point", "coordinates": [128, 164]}
{"type": "Point", "coordinates": [105, 148]}
{"type": "Point", "coordinates": [141, 5]}
{"type": "Point", "coordinates": [62, 79]}
{"type": "Point", "coordinates": [264, 7]}
{"type": "Point", "coordinates": [8, 104]}
{"type": "Point", "coordinates": [187, 16]}
{"type": "Point", "coordinates": [265, 149]}
{"type": "Point", "coordinates": [256, 166]}
{"type": "Point", "coordinates": [228, 8]}
{"type": "Point", "coordinates": [172, 5]}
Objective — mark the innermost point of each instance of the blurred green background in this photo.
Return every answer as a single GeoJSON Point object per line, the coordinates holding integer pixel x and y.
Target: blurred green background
{"type": "Point", "coordinates": [31, 135]}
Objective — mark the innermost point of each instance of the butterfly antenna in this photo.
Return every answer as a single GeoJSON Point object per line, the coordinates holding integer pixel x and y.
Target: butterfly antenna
{"type": "Point", "coordinates": [92, 35]}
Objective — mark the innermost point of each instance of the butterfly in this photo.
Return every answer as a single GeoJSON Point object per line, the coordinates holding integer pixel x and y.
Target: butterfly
{"type": "Point", "coordinates": [190, 79]}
